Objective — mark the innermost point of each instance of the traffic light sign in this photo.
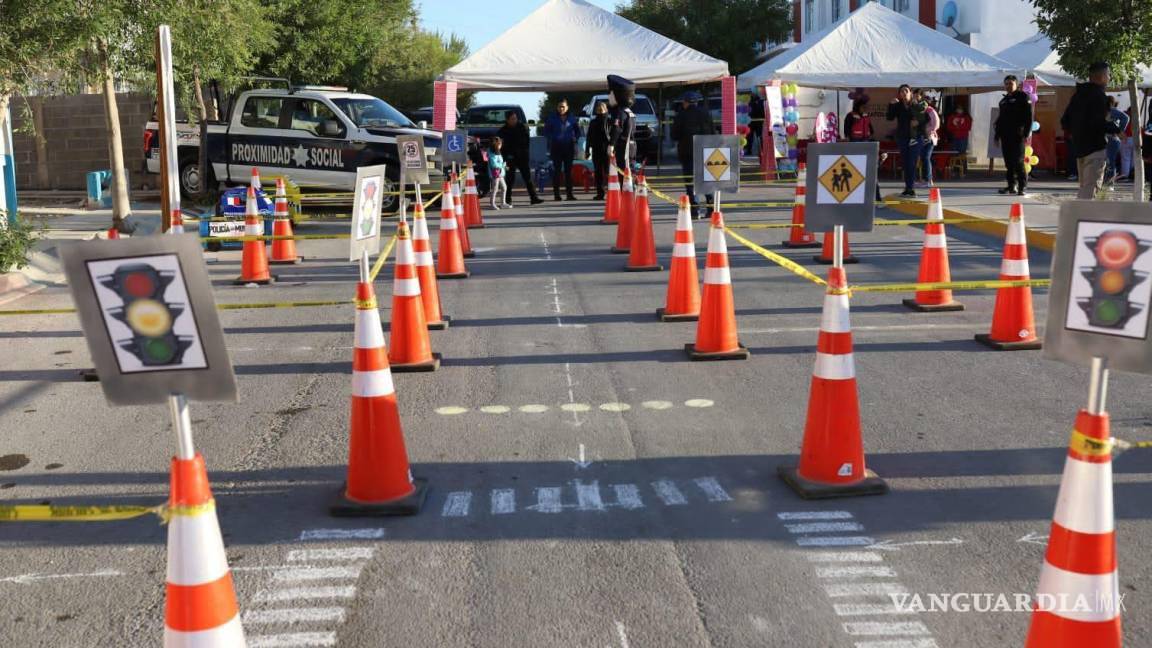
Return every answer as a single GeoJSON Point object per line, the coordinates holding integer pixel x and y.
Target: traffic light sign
{"type": "Point", "coordinates": [145, 312]}
{"type": "Point", "coordinates": [1112, 278]}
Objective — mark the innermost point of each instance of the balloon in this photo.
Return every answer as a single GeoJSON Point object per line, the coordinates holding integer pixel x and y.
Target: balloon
{"type": "Point", "coordinates": [1034, 160]}
{"type": "Point", "coordinates": [1028, 151]}
{"type": "Point", "coordinates": [1035, 126]}
{"type": "Point", "coordinates": [791, 129]}
{"type": "Point", "coordinates": [742, 129]}
{"type": "Point", "coordinates": [793, 154]}
{"type": "Point", "coordinates": [743, 142]}
{"type": "Point", "coordinates": [1027, 168]}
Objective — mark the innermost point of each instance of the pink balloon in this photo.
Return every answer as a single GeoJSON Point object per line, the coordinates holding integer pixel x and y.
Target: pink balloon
{"type": "Point", "coordinates": [792, 129]}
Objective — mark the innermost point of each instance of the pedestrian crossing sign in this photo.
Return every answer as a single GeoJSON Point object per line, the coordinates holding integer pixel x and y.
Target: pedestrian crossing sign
{"type": "Point", "coordinates": [841, 179]}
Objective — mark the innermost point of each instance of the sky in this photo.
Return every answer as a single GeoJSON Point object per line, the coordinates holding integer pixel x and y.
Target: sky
{"type": "Point", "coordinates": [479, 23]}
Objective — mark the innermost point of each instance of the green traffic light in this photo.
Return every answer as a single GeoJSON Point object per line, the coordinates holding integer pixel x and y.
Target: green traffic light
{"type": "Point", "coordinates": [1107, 312]}
{"type": "Point", "coordinates": [159, 350]}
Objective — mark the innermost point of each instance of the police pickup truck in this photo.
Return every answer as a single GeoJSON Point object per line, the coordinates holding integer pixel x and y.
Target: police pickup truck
{"type": "Point", "coordinates": [318, 137]}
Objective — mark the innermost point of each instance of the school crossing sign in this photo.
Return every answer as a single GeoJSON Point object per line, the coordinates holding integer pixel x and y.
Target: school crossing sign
{"type": "Point", "coordinates": [841, 186]}
{"type": "Point", "coordinates": [841, 179]}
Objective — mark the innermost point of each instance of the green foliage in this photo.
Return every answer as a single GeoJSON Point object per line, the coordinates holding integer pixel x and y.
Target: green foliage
{"type": "Point", "coordinates": [1118, 32]}
{"type": "Point", "coordinates": [16, 241]}
{"type": "Point", "coordinates": [35, 36]}
{"type": "Point", "coordinates": [408, 70]}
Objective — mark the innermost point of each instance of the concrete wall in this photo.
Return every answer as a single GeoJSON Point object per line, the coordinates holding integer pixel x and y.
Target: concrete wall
{"type": "Point", "coordinates": [74, 139]}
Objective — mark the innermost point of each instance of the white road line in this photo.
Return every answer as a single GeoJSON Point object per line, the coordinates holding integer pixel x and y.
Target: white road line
{"type": "Point", "coordinates": [623, 635]}
{"type": "Point", "coordinates": [503, 501]}
{"type": "Point", "coordinates": [457, 504]}
{"type": "Point", "coordinates": [668, 493]}
{"type": "Point", "coordinates": [876, 628]}
{"type": "Point", "coordinates": [24, 579]}
{"type": "Point", "coordinates": [657, 405]}
{"type": "Point", "coordinates": [495, 409]}
{"type": "Point", "coordinates": [317, 573]}
{"type": "Point", "coordinates": [588, 496]}
{"type": "Point", "coordinates": [294, 593]}
{"type": "Point", "coordinates": [699, 402]}
{"type": "Point", "coordinates": [712, 489]}
{"type": "Point", "coordinates": [838, 590]}
{"type": "Point", "coordinates": [294, 615]}
{"type": "Point", "coordinates": [533, 408]}
{"type": "Point", "coordinates": [824, 527]}
{"type": "Point", "coordinates": [899, 643]}
{"type": "Point", "coordinates": [293, 640]}
{"type": "Point", "coordinates": [844, 556]}
{"type": "Point", "coordinates": [815, 515]}
{"type": "Point", "coordinates": [342, 534]}
{"type": "Point", "coordinates": [869, 609]}
{"type": "Point", "coordinates": [835, 541]}
{"type": "Point", "coordinates": [571, 396]}
{"type": "Point", "coordinates": [351, 553]}
{"type": "Point", "coordinates": [451, 410]}
{"type": "Point", "coordinates": [547, 500]}
{"type": "Point", "coordinates": [855, 571]}
{"type": "Point", "coordinates": [628, 496]}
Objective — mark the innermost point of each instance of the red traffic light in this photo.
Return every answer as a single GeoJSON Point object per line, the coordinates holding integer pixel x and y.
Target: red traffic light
{"type": "Point", "coordinates": [140, 284]}
{"type": "Point", "coordinates": [1116, 249]}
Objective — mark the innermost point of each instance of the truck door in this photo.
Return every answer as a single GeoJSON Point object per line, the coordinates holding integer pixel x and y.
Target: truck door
{"type": "Point", "coordinates": [255, 139]}
{"type": "Point", "coordinates": [322, 155]}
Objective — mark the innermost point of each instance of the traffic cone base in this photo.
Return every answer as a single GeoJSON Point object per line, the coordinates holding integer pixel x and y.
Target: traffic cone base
{"type": "Point", "coordinates": [645, 268]}
{"type": "Point", "coordinates": [740, 353]}
{"type": "Point", "coordinates": [811, 244]}
{"type": "Point", "coordinates": [453, 275]}
{"type": "Point", "coordinates": [412, 367]}
{"type": "Point", "coordinates": [663, 316]}
{"type": "Point", "coordinates": [444, 323]}
{"type": "Point", "coordinates": [285, 262]}
{"type": "Point", "coordinates": [820, 259]}
{"type": "Point", "coordinates": [933, 308]}
{"type": "Point", "coordinates": [986, 340]}
{"type": "Point", "coordinates": [807, 489]}
{"type": "Point", "coordinates": [343, 506]}
{"type": "Point", "coordinates": [616, 250]}
{"type": "Point", "coordinates": [240, 281]}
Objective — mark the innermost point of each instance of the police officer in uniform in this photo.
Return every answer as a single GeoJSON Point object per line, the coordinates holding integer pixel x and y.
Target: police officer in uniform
{"type": "Point", "coordinates": [621, 96]}
{"type": "Point", "coordinates": [692, 119]}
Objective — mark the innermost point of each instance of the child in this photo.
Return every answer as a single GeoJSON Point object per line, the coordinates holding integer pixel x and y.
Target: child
{"type": "Point", "coordinates": [496, 168]}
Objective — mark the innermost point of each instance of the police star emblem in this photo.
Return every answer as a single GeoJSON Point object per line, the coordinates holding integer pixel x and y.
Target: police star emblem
{"type": "Point", "coordinates": [300, 155]}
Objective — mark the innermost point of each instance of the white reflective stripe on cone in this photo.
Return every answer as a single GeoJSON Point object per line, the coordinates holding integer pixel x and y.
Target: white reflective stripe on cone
{"type": "Point", "coordinates": [369, 333]}
{"type": "Point", "coordinates": [1014, 267]}
{"type": "Point", "coordinates": [195, 549]}
{"type": "Point", "coordinates": [1084, 504]}
{"type": "Point", "coordinates": [935, 241]}
{"type": "Point", "coordinates": [423, 258]}
{"type": "Point", "coordinates": [835, 317]}
{"type": "Point", "coordinates": [420, 229]}
{"type": "Point", "coordinates": [935, 211]}
{"type": "Point", "coordinates": [228, 635]}
{"type": "Point", "coordinates": [800, 198]}
{"type": "Point", "coordinates": [470, 190]}
{"type": "Point", "coordinates": [369, 384]}
{"type": "Point", "coordinates": [684, 250]}
{"type": "Point", "coordinates": [253, 230]}
{"type": "Point", "coordinates": [717, 276]}
{"type": "Point", "coordinates": [448, 222]}
{"type": "Point", "coordinates": [683, 222]}
{"type": "Point", "coordinates": [1016, 234]}
{"type": "Point", "coordinates": [1093, 589]}
{"type": "Point", "coordinates": [717, 244]}
{"type": "Point", "coordinates": [404, 255]}
{"type": "Point", "coordinates": [406, 287]}
{"type": "Point", "coordinates": [834, 367]}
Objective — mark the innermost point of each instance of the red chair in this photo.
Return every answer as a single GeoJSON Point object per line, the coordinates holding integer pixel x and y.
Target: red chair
{"type": "Point", "coordinates": [582, 175]}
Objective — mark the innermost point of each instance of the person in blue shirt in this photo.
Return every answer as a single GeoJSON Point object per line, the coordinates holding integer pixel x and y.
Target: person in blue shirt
{"type": "Point", "coordinates": [1119, 119]}
{"type": "Point", "coordinates": [562, 132]}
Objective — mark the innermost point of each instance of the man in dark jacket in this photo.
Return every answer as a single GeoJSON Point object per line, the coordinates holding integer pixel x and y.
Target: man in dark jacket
{"type": "Point", "coordinates": [1012, 128]}
{"type": "Point", "coordinates": [692, 120]}
{"type": "Point", "coordinates": [562, 130]}
{"type": "Point", "coordinates": [515, 137]}
{"type": "Point", "coordinates": [908, 135]}
{"type": "Point", "coordinates": [622, 122]}
{"type": "Point", "coordinates": [597, 145]}
{"type": "Point", "coordinates": [1086, 118]}
{"type": "Point", "coordinates": [755, 123]}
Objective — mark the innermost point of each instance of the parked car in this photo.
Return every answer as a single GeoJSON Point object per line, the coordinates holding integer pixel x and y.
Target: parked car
{"type": "Point", "coordinates": [425, 115]}
{"type": "Point", "coordinates": [482, 122]}
{"type": "Point", "coordinates": [318, 137]}
{"type": "Point", "coordinates": [647, 124]}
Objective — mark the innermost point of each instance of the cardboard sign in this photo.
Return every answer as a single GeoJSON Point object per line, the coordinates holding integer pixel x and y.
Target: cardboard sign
{"type": "Point", "coordinates": [841, 186]}
{"type": "Point", "coordinates": [370, 183]}
{"type": "Point", "coordinates": [454, 148]}
{"type": "Point", "coordinates": [149, 318]}
{"type": "Point", "coordinates": [413, 165]}
{"type": "Point", "coordinates": [716, 163]}
{"type": "Point", "coordinates": [1101, 295]}
{"type": "Point", "coordinates": [774, 102]}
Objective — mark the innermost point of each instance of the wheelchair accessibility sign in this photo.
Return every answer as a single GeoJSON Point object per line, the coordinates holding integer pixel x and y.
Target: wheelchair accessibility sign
{"type": "Point", "coordinates": [455, 147]}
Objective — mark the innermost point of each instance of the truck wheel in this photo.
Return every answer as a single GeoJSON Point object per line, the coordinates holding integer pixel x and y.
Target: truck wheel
{"type": "Point", "coordinates": [190, 180]}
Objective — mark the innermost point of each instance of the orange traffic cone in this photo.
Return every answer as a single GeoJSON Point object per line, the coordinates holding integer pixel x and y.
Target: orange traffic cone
{"type": "Point", "coordinates": [825, 255]}
{"type": "Point", "coordinates": [612, 201]}
{"type": "Point", "coordinates": [934, 263]}
{"type": "Point", "coordinates": [450, 260]}
{"type": "Point", "coordinates": [716, 334]}
{"type": "Point", "coordinates": [682, 302]}
{"type": "Point", "coordinates": [283, 250]}
{"type": "Point", "coordinates": [472, 214]}
{"type": "Point", "coordinates": [642, 251]}
{"type": "Point", "coordinates": [461, 221]}
{"type": "Point", "coordinates": [832, 456]}
{"type": "Point", "coordinates": [200, 600]}
{"type": "Point", "coordinates": [176, 223]}
{"type": "Point", "coordinates": [627, 208]}
{"type": "Point", "coordinates": [1013, 323]}
{"type": "Point", "coordinates": [1078, 599]}
{"type": "Point", "coordinates": [798, 237]}
{"type": "Point", "coordinates": [379, 479]}
{"type": "Point", "coordinates": [254, 262]}
{"type": "Point", "coordinates": [411, 347]}
{"type": "Point", "coordinates": [254, 182]}
{"type": "Point", "coordinates": [426, 271]}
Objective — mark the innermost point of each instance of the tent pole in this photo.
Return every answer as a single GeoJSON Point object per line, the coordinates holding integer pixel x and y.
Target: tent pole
{"type": "Point", "coordinates": [659, 126]}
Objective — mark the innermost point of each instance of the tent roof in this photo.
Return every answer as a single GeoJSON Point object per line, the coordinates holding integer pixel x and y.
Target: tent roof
{"type": "Point", "coordinates": [1035, 54]}
{"type": "Point", "coordinates": [875, 47]}
{"type": "Point", "coordinates": [574, 45]}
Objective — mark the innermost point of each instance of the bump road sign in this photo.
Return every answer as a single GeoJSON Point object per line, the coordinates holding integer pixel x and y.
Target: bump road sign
{"type": "Point", "coordinates": [716, 163]}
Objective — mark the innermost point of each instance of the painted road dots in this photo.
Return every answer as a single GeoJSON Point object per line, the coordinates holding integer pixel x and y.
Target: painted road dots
{"type": "Point", "coordinates": [540, 408]}
{"type": "Point", "coordinates": [584, 496]}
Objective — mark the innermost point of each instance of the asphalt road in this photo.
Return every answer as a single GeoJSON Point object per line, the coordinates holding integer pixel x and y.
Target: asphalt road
{"type": "Point", "coordinates": [678, 533]}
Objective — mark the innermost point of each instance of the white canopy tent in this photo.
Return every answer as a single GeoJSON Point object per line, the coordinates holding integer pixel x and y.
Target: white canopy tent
{"type": "Point", "coordinates": [875, 47]}
{"type": "Point", "coordinates": [1035, 54]}
{"type": "Point", "coordinates": [574, 45]}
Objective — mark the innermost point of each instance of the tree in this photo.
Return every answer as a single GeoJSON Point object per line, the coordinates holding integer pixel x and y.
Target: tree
{"type": "Point", "coordinates": [1118, 32]}
{"type": "Point", "coordinates": [407, 72]}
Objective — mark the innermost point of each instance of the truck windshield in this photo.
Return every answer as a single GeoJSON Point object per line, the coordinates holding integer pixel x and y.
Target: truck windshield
{"type": "Point", "coordinates": [369, 113]}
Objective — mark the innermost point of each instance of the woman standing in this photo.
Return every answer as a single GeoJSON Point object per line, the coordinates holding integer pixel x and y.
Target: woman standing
{"type": "Point", "coordinates": [857, 124]}
{"type": "Point", "coordinates": [930, 140]}
{"type": "Point", "coordinates": [597, 146]}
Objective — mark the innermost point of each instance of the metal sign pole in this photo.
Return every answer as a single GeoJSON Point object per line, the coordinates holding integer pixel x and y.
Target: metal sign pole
{"type": "Point", "coordinates": [365, 272]}
{"type": "Point", "coordinates": [182, 425]}
{"type": "Point", "coordinates": [716, 201]}
{"type": "Point", "coordinates": [837, 246]}
{"type": "Point", "coordinates": [1098, 386]}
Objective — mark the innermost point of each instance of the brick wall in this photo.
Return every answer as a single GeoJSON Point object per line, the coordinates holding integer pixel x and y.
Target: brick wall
{"type": "Point", "coordinates": [76, 140]}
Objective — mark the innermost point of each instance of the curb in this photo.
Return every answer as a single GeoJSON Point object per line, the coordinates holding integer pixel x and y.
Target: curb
{"type": "Point", "coordinates": [990, 227]}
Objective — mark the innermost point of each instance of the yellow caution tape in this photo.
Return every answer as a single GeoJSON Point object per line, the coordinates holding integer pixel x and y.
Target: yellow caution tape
{"type": "Point", "coordinates": [1089, 446]}
{"type": "Point", "coordinates": [297, 304]}
{"type": "Point", "coordinates": [275, 237]}
{"type": "Point", "coordinates": [49, 513]}
{"type": "Point", "coordinates": [783, 262]}
{"type": "Point", "coordinates": [952, 285]}
{"type": "Point", "coordinates": [878, 223]}
{"type": "Point", "coordinates": [383, 257]}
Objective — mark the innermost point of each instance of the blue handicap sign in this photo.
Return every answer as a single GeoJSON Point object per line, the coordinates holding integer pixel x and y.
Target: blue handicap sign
{"type": "Point", "coordinates": [455, 147]}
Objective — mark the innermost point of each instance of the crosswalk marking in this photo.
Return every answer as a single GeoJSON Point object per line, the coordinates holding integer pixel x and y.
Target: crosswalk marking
{"type": "Point", "coordinates": [869, 609]}
{"type": "Point", "coordinates": [877, 628]}
{"type": "Point", "coordinates": [843, 556]}
{"type": "Point", "coordinates": [342, 534]}
{"type": "Point", "coordinates": [855, 571]}
{"type": "Point", "coordinates": [899, 643]}
{"type": "Point", "coordinates": [668, 493]}
{"type": "Point", "coordinates": [351, 553]}
{"type": "Point", "coordinates": [293, 640]}
{"type": "Point", "coordinates": [814, 515]}
{"type": "Point", "coordinates": [316, 573]}
{"type": "Point", "coordinates": [835, 541]}
{"type": "Point", "coordinates": [628, 496]}
{"type": "Point", "coordinates": [837, 590]}
{"type": "Point", "coordinates": [712, 489]}
{"type": "Point", "coordinates": [547, 500]}
{"type": "Point", "coordinates": [588, 496]}
{"type": "Point", "coordinates": [294, 615]}
{"type": "Point", "coordinates": [457, 504]}
{"type": "Point", "coordinates": [503, 501]}
{"type": "Point", "coordinates": [293, 593]}
{"type": "Point", "coordinates": [823, 527]}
